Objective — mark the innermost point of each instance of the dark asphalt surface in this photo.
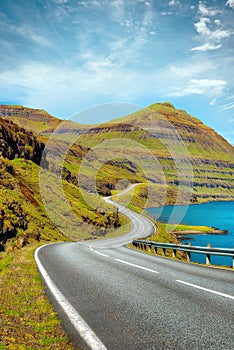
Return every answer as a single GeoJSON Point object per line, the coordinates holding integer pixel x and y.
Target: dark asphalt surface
{"type": "Point", "coordinates": [133, 300]}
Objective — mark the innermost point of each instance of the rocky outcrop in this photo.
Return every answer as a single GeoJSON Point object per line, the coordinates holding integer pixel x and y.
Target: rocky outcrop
{"type": "Point", "coordinates": [16, 142]}
{"type": "Point", "coordinates": [12, 218]}
{"type": "Point", "coordinates": [102, 221]}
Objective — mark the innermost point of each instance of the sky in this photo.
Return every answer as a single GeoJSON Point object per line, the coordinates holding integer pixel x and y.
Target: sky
{"type": "Point", "coordinates": [65, 56]}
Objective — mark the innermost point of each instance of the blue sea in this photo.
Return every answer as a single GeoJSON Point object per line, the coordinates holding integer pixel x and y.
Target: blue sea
{"type": "Point", "coordinates": [214, 214]}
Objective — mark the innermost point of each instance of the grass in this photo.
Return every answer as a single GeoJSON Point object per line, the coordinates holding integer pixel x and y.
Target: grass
{"type": "Point", "coordinates": [180, 228]}
{"type": "Point", "coordinates": [27, 319]}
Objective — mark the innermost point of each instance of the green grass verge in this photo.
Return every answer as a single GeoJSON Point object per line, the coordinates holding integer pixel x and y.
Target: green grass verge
{"type": "Point", "coordinates": [187, 228]}
{"type": "Point", "coordinates": [27, 319]}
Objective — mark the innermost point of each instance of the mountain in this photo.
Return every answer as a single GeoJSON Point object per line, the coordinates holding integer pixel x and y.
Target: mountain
{"type": "Point", "coordinates": [171, 155]}
{"type": "Point", "coordinates": [176, 151]}
{"type": "Point", "coordinates": [36, 120]}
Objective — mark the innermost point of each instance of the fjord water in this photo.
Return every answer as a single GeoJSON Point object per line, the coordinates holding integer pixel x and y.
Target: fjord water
{"type": "Point", "coordinates": [214, 214]}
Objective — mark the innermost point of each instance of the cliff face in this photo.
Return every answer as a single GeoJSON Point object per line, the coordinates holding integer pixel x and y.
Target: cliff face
{"type": "Point", "coordinates": [16, 142]}
{"type": "Point", "coordinates": [19, 148]}
{"type": "Point", "coordinates": [37, 115]}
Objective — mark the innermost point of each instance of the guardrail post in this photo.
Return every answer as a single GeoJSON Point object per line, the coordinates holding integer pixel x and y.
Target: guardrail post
{"type": "Point", "coordinates": [156, 250]}
{"type": "Point", "coordinates": [163, 251]}
{"type": "Point", "coordinates": [174, 253]}
{"type": "Point", "coordinates": [208, 256]}
{"type": "Point", "coordinates": [188, 254]}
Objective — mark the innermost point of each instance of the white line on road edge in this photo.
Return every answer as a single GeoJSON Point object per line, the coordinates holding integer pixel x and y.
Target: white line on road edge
{"type": "Point", "coordinates": [106, 256]}
{"type": "Point", "coordinates": [77, 321]}
{"type": "Point", "coordinates": [207, 290]}
{"type": "Point", "coordinates": [137, 266]}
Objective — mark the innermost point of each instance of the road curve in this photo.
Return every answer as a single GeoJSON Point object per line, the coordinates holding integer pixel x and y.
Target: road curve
{"type": "Point", "coordinates": [112, 297]}
{"type": "Point", "coordinates": [141, 227]}
{"type": "Point", "coordinates": [135, 301]}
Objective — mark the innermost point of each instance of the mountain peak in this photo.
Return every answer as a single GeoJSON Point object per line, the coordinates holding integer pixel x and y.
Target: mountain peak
{"type": "Point", "coordinates": [166, 104]}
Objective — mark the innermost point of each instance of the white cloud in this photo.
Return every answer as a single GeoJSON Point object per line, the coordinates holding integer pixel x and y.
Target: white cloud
{"type": "Point", "coordinates": [188, 79]}
{"type": "Point", "coordinates": [212, 38]}
{"type": "Point", "coordinates": [127, 23]}
{"type": "Point", "coordinates": [227, 106]}
{"type": "Point", "coordinates": [220, 34]}
{"type": "Point", "coordinates": [207, 11]}
{"type": "Point", "coordinates": [206, 47]}
{"type": "Point", "coordinates": [117, 10]}
{"type": "Point", "coordinates": [188, 71]}
{"type": "Point", "coordinates": [201, 26]}
{"type": "Point", "coordinates": [174, 3]}
{"type": "Point", "coordinates": [230, 3]}
{"type": "Point", "coordinates": [26, 31]}
{"type": "Point", "coordinates": [31, 35]}
{"type": "Point", "coordinates": [213, 102]}
{"type": "Point", "coordinates": [217, 22]}
{"type": "Point", "coordinates": [165, 13]}
{"type": "Point", "coordinates": [60, 1]}
{"type": "Point", "coordinates": [62, 90]}
{"type": "Point", "coordinates": [212, 87]}
{"type": "Point", "coordinates": [90, 3]}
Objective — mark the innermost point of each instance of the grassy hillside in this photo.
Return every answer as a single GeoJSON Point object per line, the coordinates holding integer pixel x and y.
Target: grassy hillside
{"type": "Point", "coordinates": [174, 156]}
{"type": "Point", "coordinates": [186, 151]}
{"type": "Point", "coordinates": [23, 215]}
{"type": "Point", "coordinates": [36, 120]}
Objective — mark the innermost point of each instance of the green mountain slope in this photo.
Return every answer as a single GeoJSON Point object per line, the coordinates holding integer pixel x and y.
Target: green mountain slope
{"type": "Point", "coordinates": [23, 216]}
{"type": "Point", "coordinates": [174, 156]}
{"type": "Point", "coordinates": [173, 137]}
{"type": "Point", "coordinates": [36, 120]}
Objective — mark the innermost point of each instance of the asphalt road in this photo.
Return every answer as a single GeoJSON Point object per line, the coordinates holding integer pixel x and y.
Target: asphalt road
{"type": "Point", "coordinates": [112, 297]}
{"type": "Point", "coordinates": [132, 300]}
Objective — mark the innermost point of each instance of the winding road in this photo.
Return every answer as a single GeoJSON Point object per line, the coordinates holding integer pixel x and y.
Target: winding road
{"type": "Point", "coordinates": [112, 297]}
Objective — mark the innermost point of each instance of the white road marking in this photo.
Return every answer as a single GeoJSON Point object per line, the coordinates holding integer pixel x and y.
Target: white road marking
{"type": "Point", "coordinates": [91, 248]}
{"type": "Point", "coordinates": [137, 266]}
{"type": "Point", "coordinates": [106, 256]}
{"type": "Point", "coordinates": [77, 321]}
{"type": "Point", "coordinates": [207, 290]}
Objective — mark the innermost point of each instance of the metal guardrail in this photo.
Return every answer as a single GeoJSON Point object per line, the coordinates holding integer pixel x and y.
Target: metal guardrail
{"type": "Point", "coordinates": [208, 251]}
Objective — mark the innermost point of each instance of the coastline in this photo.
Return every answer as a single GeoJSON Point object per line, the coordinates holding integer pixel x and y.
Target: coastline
{"type": "Point", "coordinates": [183, 232]}
{"type": "Point", "coordinates": [213, 231]}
